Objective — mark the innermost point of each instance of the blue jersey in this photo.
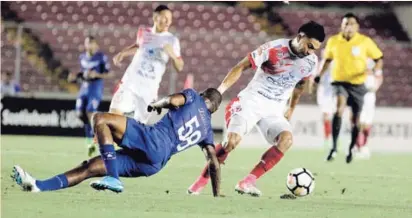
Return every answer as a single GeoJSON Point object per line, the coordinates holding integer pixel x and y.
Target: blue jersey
{"type": "Point", "coordinates": [99, 63]}
{"type": "Point", "coordinates": [191, 123]}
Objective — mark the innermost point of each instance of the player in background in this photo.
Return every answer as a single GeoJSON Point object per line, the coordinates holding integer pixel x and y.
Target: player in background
{"type": "Point", "coordinates": [94, 68]}
{"type": "Point", "coordinates": [282, 67]}
{"type": "Point", "coordinates": [153, 48]}
{"type": "Point", "coordinates": [373, 82]}
{"type": "Point", "coordinates": [145, 149]}
{"type": "Point", "coordinates": [140, 83]}
{"type": "Point", "coordinates": [326, 101]}
{"type": "Point", "coordinates": [349, 50]}
{"type": "Point", "coordinates": [8, 86]}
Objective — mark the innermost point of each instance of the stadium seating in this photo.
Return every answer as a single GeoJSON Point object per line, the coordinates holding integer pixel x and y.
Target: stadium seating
{"type": "Point", "coordinates": [213, 38]}
{"type": "Point", "coordinates": [68, 22]}
{"type": "Point", "coordinates": [30, 78]}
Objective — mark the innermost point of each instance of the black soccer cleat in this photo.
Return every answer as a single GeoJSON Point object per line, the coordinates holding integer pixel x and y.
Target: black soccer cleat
{"type": "Point", "coordinates": [331, 156]}
{"type": "Point", "coordinates": [349, 158]}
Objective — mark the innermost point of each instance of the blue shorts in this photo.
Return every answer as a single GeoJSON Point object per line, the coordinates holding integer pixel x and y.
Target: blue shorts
{"type": "Point", "coordinates": [154, 142]}
{"type": "Point", "coordinates": [134, 163]}
{"type": "Point", "coordinates": [88, 103]}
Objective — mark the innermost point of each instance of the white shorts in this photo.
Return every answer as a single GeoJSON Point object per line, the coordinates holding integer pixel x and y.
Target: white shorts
{"type": "Point", "coordinates": [241, 118]}
{"type": "Point", "coordinates": [126, 101]}
{"type": "Point", "coordinates": [368, 109]}
{"type": "Point", "coordinates": [326, 99]}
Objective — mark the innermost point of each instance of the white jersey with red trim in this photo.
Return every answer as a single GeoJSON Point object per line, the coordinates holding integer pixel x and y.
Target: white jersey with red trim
{"type": "Point", "coordinates": [278, 71]}
{"type": "Point", "coordinates": [146, 70]}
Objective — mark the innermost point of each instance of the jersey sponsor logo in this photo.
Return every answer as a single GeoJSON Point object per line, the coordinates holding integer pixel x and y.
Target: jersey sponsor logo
{"type": "Point", "coordinates": [283, 80]}
{"type": "Point", "coordinates": [154, 54]}
{"type": "Point", "coordinates": [269, 96]}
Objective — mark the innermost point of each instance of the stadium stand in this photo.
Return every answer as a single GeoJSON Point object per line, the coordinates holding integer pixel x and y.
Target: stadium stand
{"type": "Point", "coordinates": [212, 41]}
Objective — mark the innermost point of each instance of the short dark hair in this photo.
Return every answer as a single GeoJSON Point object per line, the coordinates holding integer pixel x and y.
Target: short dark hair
{"type": "Point", "coordinates": [91, 38]}
{"type": "Point", "coordinates": [161, 8]}
{"type": "Point", "coordinates": [351, 15]}
{"type": "Point", "coordinates": [213, 95]}
{"type": "Point", "coordinates": [313, 30]}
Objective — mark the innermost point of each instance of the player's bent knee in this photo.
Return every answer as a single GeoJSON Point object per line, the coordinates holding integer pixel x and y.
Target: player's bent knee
{"type": "Point", "coordinates": [116, 111]}
{"type": "Point", "coordinates": [99, 118]}
{"type": "Point", "coordinates": [232, 142]}
{"type": "Point", "coordinates": [285, 141]}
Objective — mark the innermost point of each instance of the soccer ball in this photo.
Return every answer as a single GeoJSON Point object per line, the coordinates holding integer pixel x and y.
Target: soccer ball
{"type": "Point", "coordinates": [300, 182]}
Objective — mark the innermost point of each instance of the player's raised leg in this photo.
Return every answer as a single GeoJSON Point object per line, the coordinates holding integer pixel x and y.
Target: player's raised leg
{"type": "Point", "coordinates": [107, 127]}
{"type": "Point", "coordinates": [122, 103]}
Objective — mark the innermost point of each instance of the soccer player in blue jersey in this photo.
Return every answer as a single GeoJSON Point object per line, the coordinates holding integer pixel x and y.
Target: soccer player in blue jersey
{"type": "Point", "coordinates": [145, 149]}
{"type": "Point", "coordinates": [94, 68]}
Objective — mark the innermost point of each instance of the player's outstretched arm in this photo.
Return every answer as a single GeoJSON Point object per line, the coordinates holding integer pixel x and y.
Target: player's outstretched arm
{"type": "Point", "coordinates": [234, 74]}
{"type": "Point", "coordinates": [297, 92]}
{"type": "Point", "coordinates": [214, 169]}
{"type": "Point", "coordinates": [128, 51]}
{"type": "Point", "coordinates": [171, 101]}
{"type": "Point", "coordinates": [177, 60]}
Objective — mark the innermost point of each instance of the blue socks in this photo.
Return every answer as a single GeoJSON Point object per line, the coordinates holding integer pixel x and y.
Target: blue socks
{"type": "Point", "coordinates": [109, 157]}
{"type": "Point", "coordinates": [55, 183]}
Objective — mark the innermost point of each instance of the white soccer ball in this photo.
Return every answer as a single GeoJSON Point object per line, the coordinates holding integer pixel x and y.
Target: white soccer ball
{"type": "Point", "coordinates": [300, 182]}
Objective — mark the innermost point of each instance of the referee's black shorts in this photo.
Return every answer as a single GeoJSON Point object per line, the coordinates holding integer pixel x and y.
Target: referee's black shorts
{"type": "Point", "coordinates": [354, 94]}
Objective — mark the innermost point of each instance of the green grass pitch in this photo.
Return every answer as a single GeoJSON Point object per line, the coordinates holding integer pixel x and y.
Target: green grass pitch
{"type": "Point", "coordinates": [380, 187]}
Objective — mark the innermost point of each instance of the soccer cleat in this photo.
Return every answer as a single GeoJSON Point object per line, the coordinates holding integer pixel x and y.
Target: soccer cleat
{"type": "Point", "coordinates": [349, 158]}
{"type": "Point", "coordinates": [247, 187]}
{"type": "Point", "coordinates": [363, 153]}
{"type": "Point", "coordinates": [331, 156]}
{"type": "Point", "coordinates": [91, 148]}
{"type": "Point", "coordinates": [24, 180]}
{"type": "Point", "coordinates": [197, 186]}
{"type": "Point", "coordinates": [326, 143]}
{"type": "Point", "coordinates": [108, 182]}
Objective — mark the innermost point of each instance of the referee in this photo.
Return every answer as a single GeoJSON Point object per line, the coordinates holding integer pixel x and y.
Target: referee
{"type": "Point", "coordinates": [349, 51]}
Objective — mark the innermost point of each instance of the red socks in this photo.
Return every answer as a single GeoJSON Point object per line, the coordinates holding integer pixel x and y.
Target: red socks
{"type": "Point", "coordinates": [363, 137]}
{"type": "Point", "coordinates": [327, 127]}
{"type": "Point", "coordinates": [269, 159]}
{"type": "Point", "coordinates": [360, 142]}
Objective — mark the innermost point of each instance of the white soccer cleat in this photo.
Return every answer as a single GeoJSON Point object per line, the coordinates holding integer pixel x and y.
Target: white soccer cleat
{"type": "Point", "coordinates": [245, 187]}
{"type": "Point", "coordinates": [24, 180]}
{"type": "Point", "coordinates": [363, 153]}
